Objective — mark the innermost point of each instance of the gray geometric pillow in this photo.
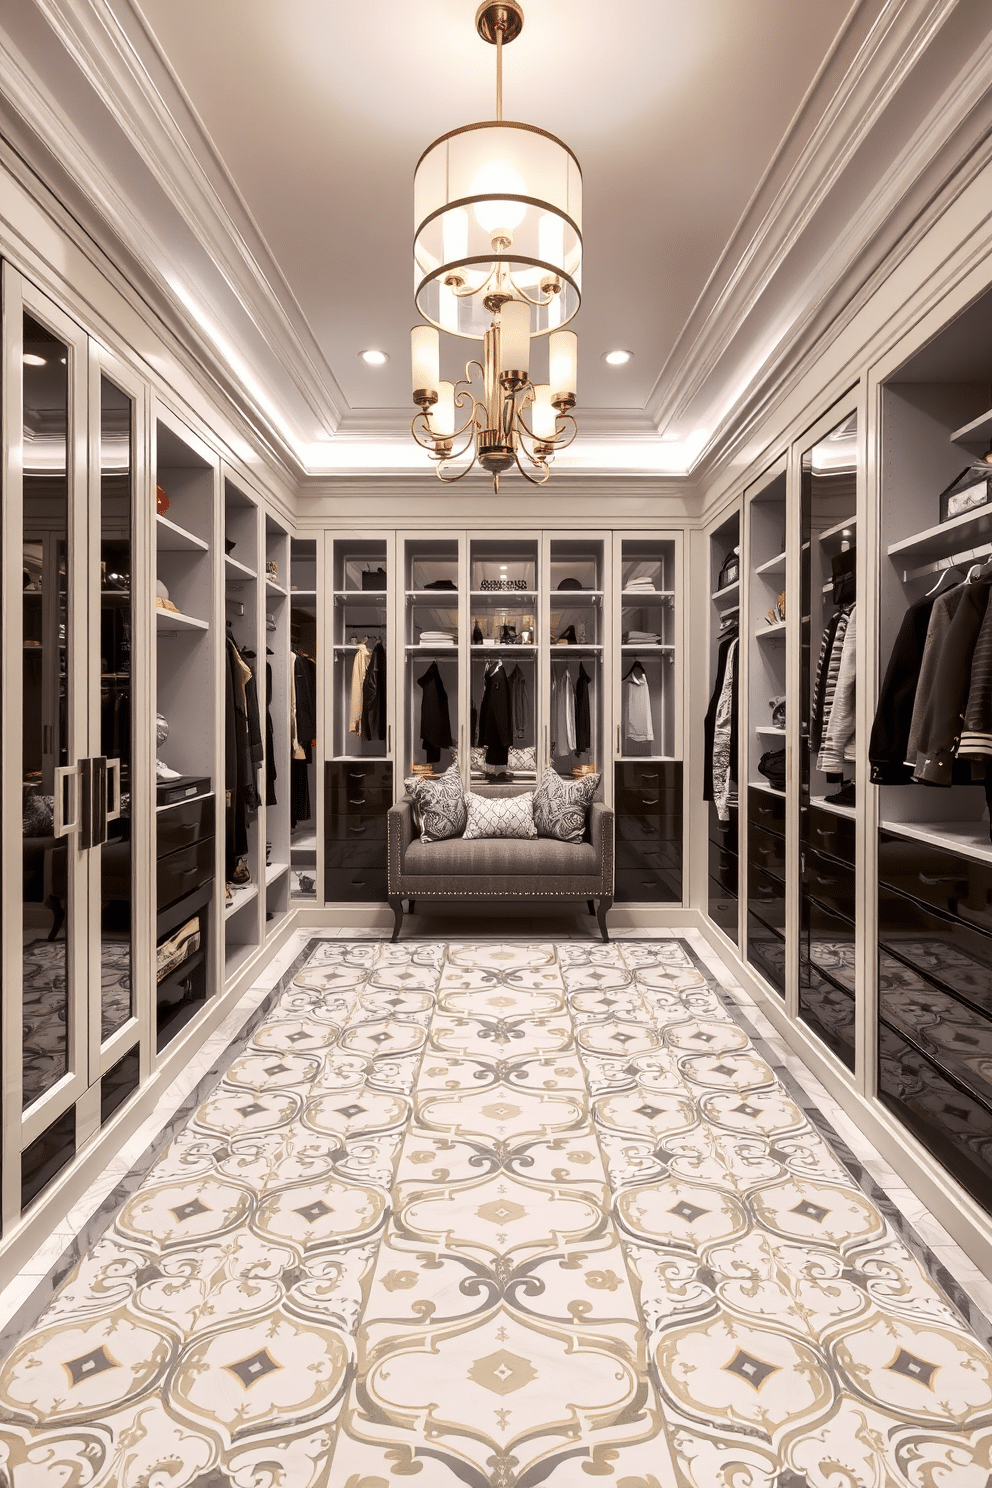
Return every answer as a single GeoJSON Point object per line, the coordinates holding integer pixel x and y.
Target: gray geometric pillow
{"type": "Point", "coordinates": [560, 806]}
{"type": "Point", "coordinates": [441, 803]}
{"type": "Point", "coordinates": [500, 816]}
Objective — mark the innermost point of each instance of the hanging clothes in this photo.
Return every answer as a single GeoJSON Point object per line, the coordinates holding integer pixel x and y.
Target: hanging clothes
{"type": "Point", "coordinates": [583, 719]}
{"type": "Point", "coordinates": [435, 724]}
{"type": "Point", "coordinates": [303, 693]}
{"type": "Point", "coordinates": [888, 747]}
{"type": "Point", "coordinates": [839, 741]}
{"type": "Point", "coordinates": [270, 749]}
{"type": "Point", "coordinates": [496, 716]}
{"type": "Point", "coordinates": [832, 673]}
{"type": "Point", "coordinates": [359, 669]}
{"type": "Point", "coordinates": [518, 701]}
{"type": "Point", "coordinates": [563, 712]}
{"type": "Point", "coordinates": [241, 794]}
{"type": "Point", "coordinates": [373, 721]}
{"type": "Point", "coordinates": [709, 722]}
{"type": "Point", "coordinates": [724, 768]}
{"type": "Point", "coordinates": [976, 733]}
{"type": "Point", "coordinates": [942, 712]}
{"type": "Point", "coordinates": [820, 685]}
{"type": "Point", "coordinates": [945, 607]}
{"type": "Point", "coordinates": [638, 726]}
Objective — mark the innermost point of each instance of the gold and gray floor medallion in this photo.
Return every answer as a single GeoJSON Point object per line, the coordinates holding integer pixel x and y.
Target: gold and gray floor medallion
{"type": "Point", "coordinates": [499, 1216]}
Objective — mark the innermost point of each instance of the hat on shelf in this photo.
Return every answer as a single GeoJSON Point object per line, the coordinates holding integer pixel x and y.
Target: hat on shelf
{"type": "Point", "coordinates": [570, 584]}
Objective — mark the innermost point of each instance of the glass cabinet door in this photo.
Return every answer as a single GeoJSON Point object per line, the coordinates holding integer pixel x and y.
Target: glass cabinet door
{"type": "Point", "coordinates": [827, 856]}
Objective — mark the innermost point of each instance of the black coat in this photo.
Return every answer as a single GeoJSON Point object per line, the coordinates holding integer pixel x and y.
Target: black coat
{"type": "Point", "coordinates": [709, 722]}
{"type": "Point", "coordinates": [435, 723]}
{"type": "Point", "coordinates": [583, 722]}
{"type": "Point", "coordinates": [496, 717]}
{"type": "Point", "coordinates": [889, 741]}
{"type": "Point", "coordinates": [374, 695]}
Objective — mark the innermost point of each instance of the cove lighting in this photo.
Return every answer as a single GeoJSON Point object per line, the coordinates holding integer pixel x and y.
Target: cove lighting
{"type": "Point", "coordinates": [374, 358]}
{"type": "Point", "coordinates": [617, 358]}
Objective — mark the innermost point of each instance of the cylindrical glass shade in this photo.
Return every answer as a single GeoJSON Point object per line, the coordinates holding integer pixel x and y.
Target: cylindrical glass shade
{"type": "Point", "coordinates": [514, 337]}
{"type": "Point", "coordinates": [502, 181]}
{"type": "Point", "coordinates": [442, 415]}
{"type": "Point", "coordinates": [563, 358]}
{"type": "Point", "coordinates": [425, 356]}
{"type": "Point", "coordinates": [542, 413]}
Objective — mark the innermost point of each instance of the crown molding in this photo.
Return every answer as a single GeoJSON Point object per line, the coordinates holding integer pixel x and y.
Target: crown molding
{"type": "Point", "coordinates": [771, 293]}
{"type": "Point", "coordinates": [115, 50]}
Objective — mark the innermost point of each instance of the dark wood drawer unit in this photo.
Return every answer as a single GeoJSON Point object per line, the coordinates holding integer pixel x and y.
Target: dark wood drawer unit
{"type": "Point", "coordinates": [357, 798]}
{"type": "Point", "coordinates": [182, 825]}
{"type": "Point", "coordinates": [179, 873]}
{"type": "Point", "coordinates": [956, 885]}
{"type": "Point", "coordinates": [766, 897]}
{"type": "Point", "coordinates": [182, 992]}
{"type": "Point", "coordinates": [343, 884]}
{"type": "Point", "coordinates": [829, 883]}
{"type": "Point", "coordinates": [723, 909]}
{"type": "Point", "coordinates": [765, 810]}
{"type": "Point", "coordinates": [828, 1009]}
{"type": "Point", "coordinates": [724, 871]}
{"type": "Point", "coordinates": [766, 850]}
{"type": "Point", "coordinates": [766, 949]}
{"type": "Point", "coordinates": [648, 808]}
{"type": "Point", "coordinates": [831, 834]}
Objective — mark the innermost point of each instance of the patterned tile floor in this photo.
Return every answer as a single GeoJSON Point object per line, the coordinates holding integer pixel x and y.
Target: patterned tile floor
{"type": "Point", "coordinates": [501, 1215]}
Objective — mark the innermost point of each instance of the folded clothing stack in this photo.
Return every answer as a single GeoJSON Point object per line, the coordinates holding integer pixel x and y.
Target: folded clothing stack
{"type": "Point", "coordinates": [436, 638]}
{"type": "Point", "coordinates": [642, 585]}
{"type": "Point", "coordinates": [641, 638]}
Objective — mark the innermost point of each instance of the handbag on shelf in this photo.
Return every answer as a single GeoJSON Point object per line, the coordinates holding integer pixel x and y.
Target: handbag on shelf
{"type": "Point", "coordinates": [730, 570]}
{"type": "Point", "coordinates": [373, 578]}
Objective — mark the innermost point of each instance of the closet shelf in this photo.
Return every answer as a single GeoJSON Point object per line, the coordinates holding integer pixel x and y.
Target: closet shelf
{"type": "Point", "coordinates": [763, 633]}
{"type": "Point", "coordinates": [500, 647]}
{"type": "Point", "coordinates": [979, 431]}
{"type": "Point", "coordinates": [834, 533]}
{"type": "Point", "coordinates": [970, 838]}
{"type": "Point", "coordinates": [303, 594]}
{"type": "Point", "coordinates": [727, 589]}
{"type": "Point", "coordinates": [575, 646]}
{"type": "Point", "coordinates": [639, 596]}
{"type": "Point", "coordinates": [946, 538]}
{"type": "Point", "coordinates": [763, 785]}
{"type": "Point", "coordinates": [235, 570]}
{"type": "Point", "coordinates": [274, 871]}
{"type": "Point", "coordinates": [768, 728]}
{"type": "Point", "coordinates": [500, 596]}
{"type": "Point", "coordinates": [437, 595]}
{"type": "Point", "coordinates": [174, 539]}
{"type": "Point", "coordinates": [366, 596]}
{"type": "Point", "coordinates": [239, 898]}
{"type": "Point", "coordinates": [168, 623]}
{"type": "Point", "coordinates": [774, 565]}
{"type": "Point", "coordinates": [824, 805]}
{"type": "Point", "coordinates": [654, 646]}
{"type": "Point", "coordinates": [452, 650]}
{"type": "Point", "coordinates": [271, 587]}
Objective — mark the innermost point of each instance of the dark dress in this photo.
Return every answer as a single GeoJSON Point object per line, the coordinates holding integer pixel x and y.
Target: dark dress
{"type": "Point", "coordinates": [435, 724]}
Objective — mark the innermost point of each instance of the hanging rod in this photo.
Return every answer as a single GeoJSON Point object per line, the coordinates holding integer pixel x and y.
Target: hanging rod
{"type": "Point", "coordinates": [984, 550]}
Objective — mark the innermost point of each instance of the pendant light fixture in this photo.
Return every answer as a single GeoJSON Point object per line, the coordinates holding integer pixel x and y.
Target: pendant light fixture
{"type": "Point", "coordinates": [498, 259]}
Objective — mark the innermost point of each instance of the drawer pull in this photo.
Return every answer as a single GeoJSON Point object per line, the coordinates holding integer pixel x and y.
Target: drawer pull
{"type": "Point", "coordinates": [356, 800]}
{"type": "Point", "coordinates": [358, 831]}
{"type": "Point", "coordinates": [649, 800]}
{"type": "Point", "coordinates": [926, 879]}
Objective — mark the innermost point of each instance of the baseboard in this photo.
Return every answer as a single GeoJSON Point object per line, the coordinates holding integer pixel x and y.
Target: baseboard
{"type": "Point", "coordinates": [965, 1221]}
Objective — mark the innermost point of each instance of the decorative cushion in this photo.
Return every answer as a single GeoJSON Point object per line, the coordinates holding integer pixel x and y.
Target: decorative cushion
{"type": "Point", "coordinates": [560, 806]}
{"type": "Point", "coordinates": [38, 813]}
{"type": "Point", "coordinates": [441, 804]}
{"type": "Point", "coordinates": [500, 816]}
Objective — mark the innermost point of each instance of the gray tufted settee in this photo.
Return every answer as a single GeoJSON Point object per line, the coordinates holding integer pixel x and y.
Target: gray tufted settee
{"type": "Point", "coordinates": [538, 869]}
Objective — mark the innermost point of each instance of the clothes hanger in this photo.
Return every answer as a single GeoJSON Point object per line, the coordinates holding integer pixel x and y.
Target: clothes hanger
{"type": "Point", "coordinates": [944, 573]}
{"type": "Point", "coordinates": [635, 667]}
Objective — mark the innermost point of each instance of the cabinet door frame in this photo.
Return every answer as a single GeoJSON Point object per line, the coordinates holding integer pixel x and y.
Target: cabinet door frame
{"type": "Point", "coordinates": [136, 1029]}
{"type": "Point", "coordinates": [22, 1127]}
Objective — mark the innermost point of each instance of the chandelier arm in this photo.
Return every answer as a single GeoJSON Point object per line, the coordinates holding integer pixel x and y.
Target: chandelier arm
{"type": "Point", "coordinates": [427, 442]}
{"type": "Point", "coordinates": [466, 291]}
{"type": "Point", "coordinates": [522, 293]}
{"type": "Point", "coordinates": [538, 465]}
{"type": "Point", "coordinates": [565, 417]}
{"type": "Point", "coordinates": [449, 480]}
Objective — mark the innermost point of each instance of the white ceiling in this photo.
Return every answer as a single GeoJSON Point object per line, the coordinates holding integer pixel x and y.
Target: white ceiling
{"type": "Point", "coordinates": [753, 170]}
{"type": "Point", "coordinates": [320, 111]}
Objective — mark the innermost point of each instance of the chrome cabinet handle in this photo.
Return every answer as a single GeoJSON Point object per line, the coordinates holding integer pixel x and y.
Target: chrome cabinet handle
{"type": "Point", "coordinates": [114, 769]}
{"type": "Point", "coordinates": [66, 775]}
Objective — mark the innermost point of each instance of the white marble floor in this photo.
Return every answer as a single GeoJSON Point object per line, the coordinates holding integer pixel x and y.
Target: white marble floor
{"type": "Point", "coordinates": [33, 1289]}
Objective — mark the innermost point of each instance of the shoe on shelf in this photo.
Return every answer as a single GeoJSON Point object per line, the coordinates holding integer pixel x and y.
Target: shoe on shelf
{"type": "Point", "coordinates": [162, 771]}
{"type": "Point", "coordinates": [846, 796]}
{"type": "Point", "coordinates": [241, 875]}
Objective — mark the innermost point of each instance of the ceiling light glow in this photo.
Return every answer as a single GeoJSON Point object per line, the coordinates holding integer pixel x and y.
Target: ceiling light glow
{"type": "Point", "coordinates": [374, 358]}
{"type": "Point", "coordinates": [617, 358]}
{"type": "Point", "coordinates": [30, 360]}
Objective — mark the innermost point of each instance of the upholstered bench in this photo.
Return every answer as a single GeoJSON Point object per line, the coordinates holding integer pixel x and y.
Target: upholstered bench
{"type": "Point", "coordinates": [538, 869]}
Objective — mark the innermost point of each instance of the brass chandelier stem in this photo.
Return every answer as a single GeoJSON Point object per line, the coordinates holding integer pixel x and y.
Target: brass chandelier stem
{"type": "Point", "coordinates": [499, 74]}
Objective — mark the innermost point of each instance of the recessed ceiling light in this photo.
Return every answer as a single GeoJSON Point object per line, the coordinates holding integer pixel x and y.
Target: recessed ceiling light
{"type": "Point", "coordinates": [374, 358]}
{"type": "Point", "coordinates": [617, 358]}
{"type": "Point", "coordinates": [30, 360]}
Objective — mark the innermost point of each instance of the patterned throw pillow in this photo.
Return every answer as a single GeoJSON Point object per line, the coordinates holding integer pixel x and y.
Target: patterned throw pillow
{"type": "Point", "coordinates": [500, 816]}
{"type": "Point", "coordinates": [441, 803]}
{"type": "Point", "coordinates": [560, 806]}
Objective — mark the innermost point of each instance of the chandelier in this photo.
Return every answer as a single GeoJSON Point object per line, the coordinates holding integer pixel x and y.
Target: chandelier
{"type": "Point", "coordinates": [497, 258]}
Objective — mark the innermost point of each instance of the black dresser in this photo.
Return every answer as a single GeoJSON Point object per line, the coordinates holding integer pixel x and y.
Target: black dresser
{"type": "Point", "coordinates": [185, 852]}
{"type": "Point", "coordinates": [724, 870]}
{"type": "Point", "coordinates": [648, 810]}
{"type": "Point", "coordinates": [357, 796]}
{"type": "Point", "coordinates": [766, 884]}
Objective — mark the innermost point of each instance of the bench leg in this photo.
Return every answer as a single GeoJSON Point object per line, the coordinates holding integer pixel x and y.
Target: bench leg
{"type": "Point", "coordinates": [604, 905]}
{"type": "Point", "coordinates": [592, 906]}
{"type": "Point", "coordinates": [396, 905]}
